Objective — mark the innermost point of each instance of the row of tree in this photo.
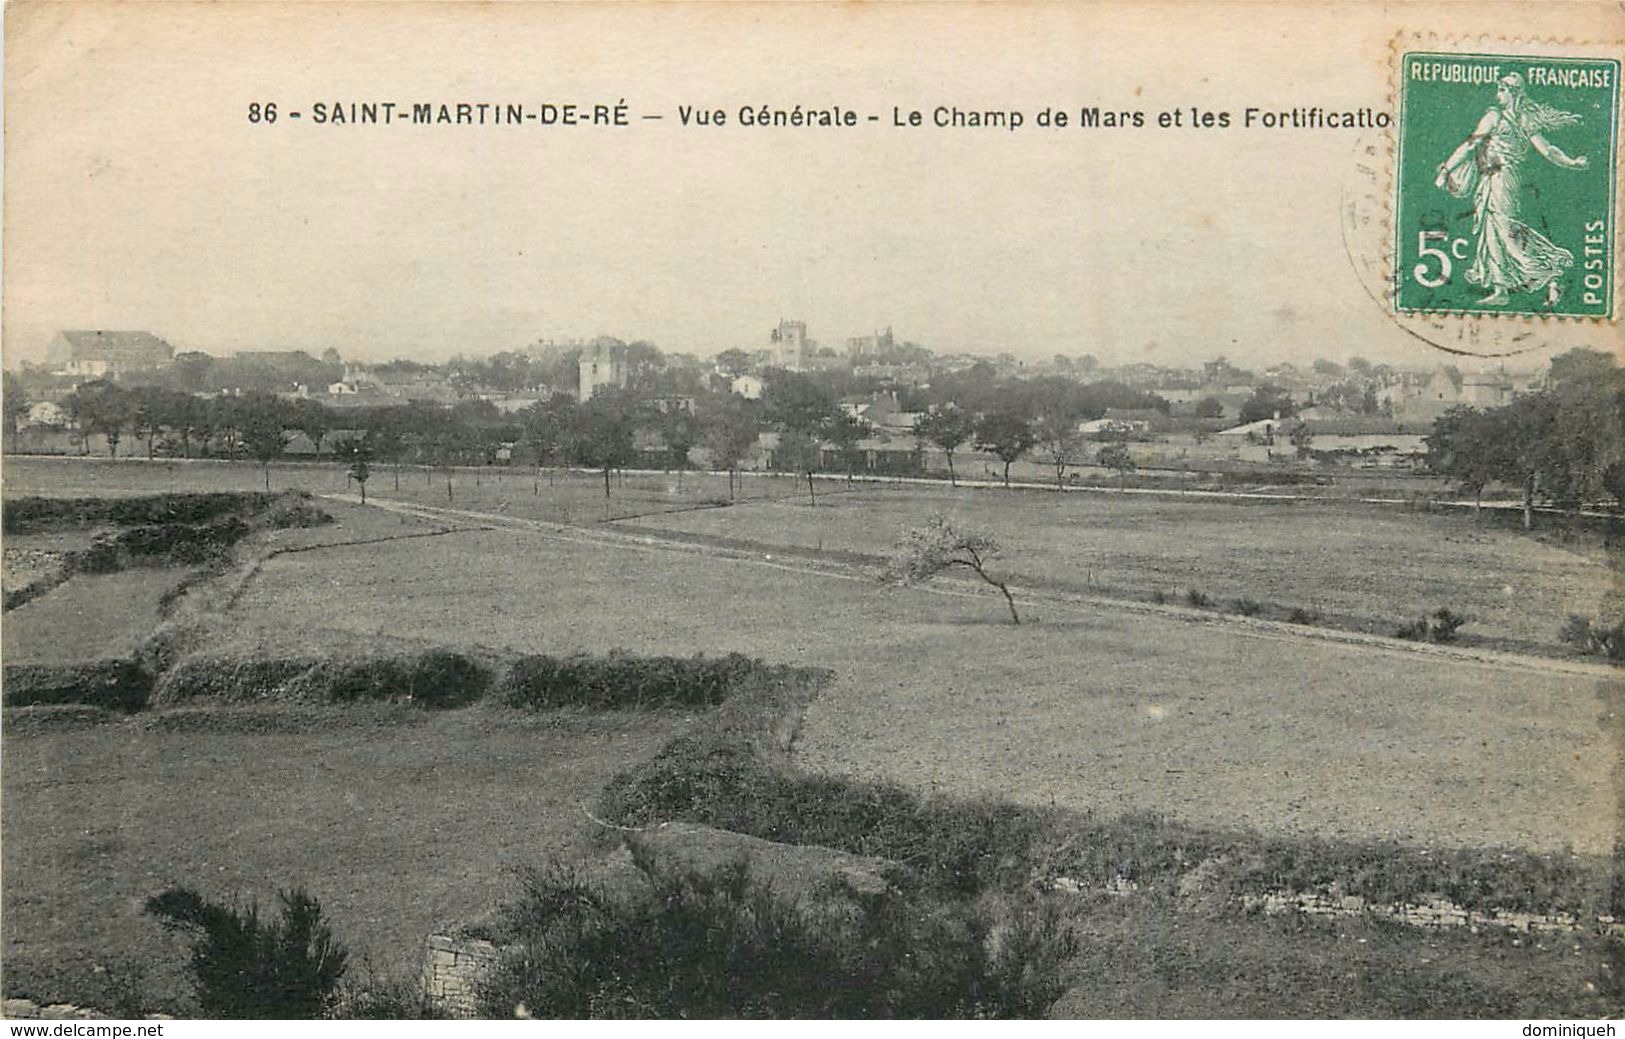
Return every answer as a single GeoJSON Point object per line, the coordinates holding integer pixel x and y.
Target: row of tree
{"type": "Point", "coordinates": [802, 410]}
{"type": "Point", "coordinates": [1006, 418]}
{"type": "Point", "coordinates": [1563, 445]}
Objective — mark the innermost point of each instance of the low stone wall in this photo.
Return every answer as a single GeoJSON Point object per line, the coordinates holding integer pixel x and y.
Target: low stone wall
{"type": "Point", "coordinates": [1436, 912]}
{"type": "Point", "coordinates": [27, 1009]}
{"type": "Point", "coordinates": [14, 1009]}
{"type": "Point", "coordinates": [453, 969]}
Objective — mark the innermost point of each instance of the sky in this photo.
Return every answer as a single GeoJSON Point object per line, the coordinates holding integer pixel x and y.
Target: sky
{"type": "Point", "coordinates": [138, 195]}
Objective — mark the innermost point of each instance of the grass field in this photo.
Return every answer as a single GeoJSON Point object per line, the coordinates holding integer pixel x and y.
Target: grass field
{"type": "Point", "coordinates": [1087, 708]}
{"type": "Point", "coordinates": [1367, 568]}
{"type": "Point", "coordinates": [399, 821]}
{"type": "Point", "coordinates": [1364, 567]}
{"type": "Point", "coordinates": [91, 617]}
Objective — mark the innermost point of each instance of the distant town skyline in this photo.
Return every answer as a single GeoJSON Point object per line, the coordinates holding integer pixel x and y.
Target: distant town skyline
{"type": "Point", "coordinates": [15, 360]}
{"type": "Point", "coordinates": [1523, 363]}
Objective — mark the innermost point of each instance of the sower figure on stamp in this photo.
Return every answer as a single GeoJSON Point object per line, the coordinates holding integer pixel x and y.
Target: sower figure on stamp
{"type": "Point", "coordinates": [1510, 256]}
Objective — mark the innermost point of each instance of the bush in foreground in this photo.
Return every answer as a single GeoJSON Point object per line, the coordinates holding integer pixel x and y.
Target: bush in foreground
{"type": "Point", "coordinates": [246, 967]}
{"type": "Point", "coordinates": [727, 947]}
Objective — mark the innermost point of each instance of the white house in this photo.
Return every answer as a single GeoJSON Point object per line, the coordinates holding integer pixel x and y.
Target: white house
{"type": "Point", "coordinates": [46, 413]}
{"type": "Point", "coordinates": [1265, 429]}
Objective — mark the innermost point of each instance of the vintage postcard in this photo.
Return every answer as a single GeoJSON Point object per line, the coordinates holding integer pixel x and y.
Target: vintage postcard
{"type": "Point", "coordinates": [812, 511]}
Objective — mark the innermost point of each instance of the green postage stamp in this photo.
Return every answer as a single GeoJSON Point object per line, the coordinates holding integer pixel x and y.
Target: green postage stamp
{"type": "Point", "coordinates": [1505, 185]}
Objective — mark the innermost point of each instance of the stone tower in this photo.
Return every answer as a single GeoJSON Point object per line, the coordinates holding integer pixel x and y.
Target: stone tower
{"type": "Point", "coordinates": [790, 345]}
{"type": "Point", "coordinates": [603, 364]}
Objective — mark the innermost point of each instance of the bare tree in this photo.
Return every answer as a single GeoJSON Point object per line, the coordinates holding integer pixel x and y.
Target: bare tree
{"type": "Point", "coordinates": [925, 551]}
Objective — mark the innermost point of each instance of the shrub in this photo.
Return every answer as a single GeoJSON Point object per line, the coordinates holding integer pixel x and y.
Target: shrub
{"type": "Point", "coordinates": [228, 678]}
{"type": "Point", "coordinates": [618, 680]}
{"type": "Point", "coordinates": [438, 678]}
{"type": "Point", "coordinates": [383, 998]}
{"type": "Point", "coordinates": [1299, 615]}
{"type": "Point", "coordinates": [102, 557]}
{"type": "Point", "coordinates": [1611, 642]}
{"type": "Point", "coordinates": [1159, 597]}
{"type": "Point", "coordinates": [1441, 626]}
{"type": "Point", "coordinates": [1588, 636]}
{"type": "Point", "coordinates": [1247, 607]}
{"type": "Point", "coordinates": [164, 544]}
{"type": "Point", "coordinates": [245, 967]}
{"type": "Point", "coordinates": [726, 947]}
{"type": "Point", "coordinates": [293, 509]}
{"type": "Point", "coordinates": [32, 515]}
{"type": "Point", "coordinates": [184, 542]}
{"type": "Point", "coordinates": [119, 685]}
{"type": "Point", "coordinates": [1197, 598]}
{"type": "Point", "coordinates": [178, 635]}
{"type": "Point", "coordinates": [1577, 631]}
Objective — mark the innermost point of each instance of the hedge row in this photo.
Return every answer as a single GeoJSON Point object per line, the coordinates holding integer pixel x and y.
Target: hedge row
{"type": "Point", "coordinates": [443, 678]}
{"type": "Point", "coordinates": [228, 679]}
{"type": "Point", "coordinates": [438, 678]}
{"type": "Point", "coordinates": [119, 685]}
{"type": "Point", "coordinates": [34, 515]}
{"type": "Point", "coordinates": [619, 680]}
{"type": "Point", "coordinates": [434, 678]}
{"type": "Point", "coordinates": [165, 544]}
